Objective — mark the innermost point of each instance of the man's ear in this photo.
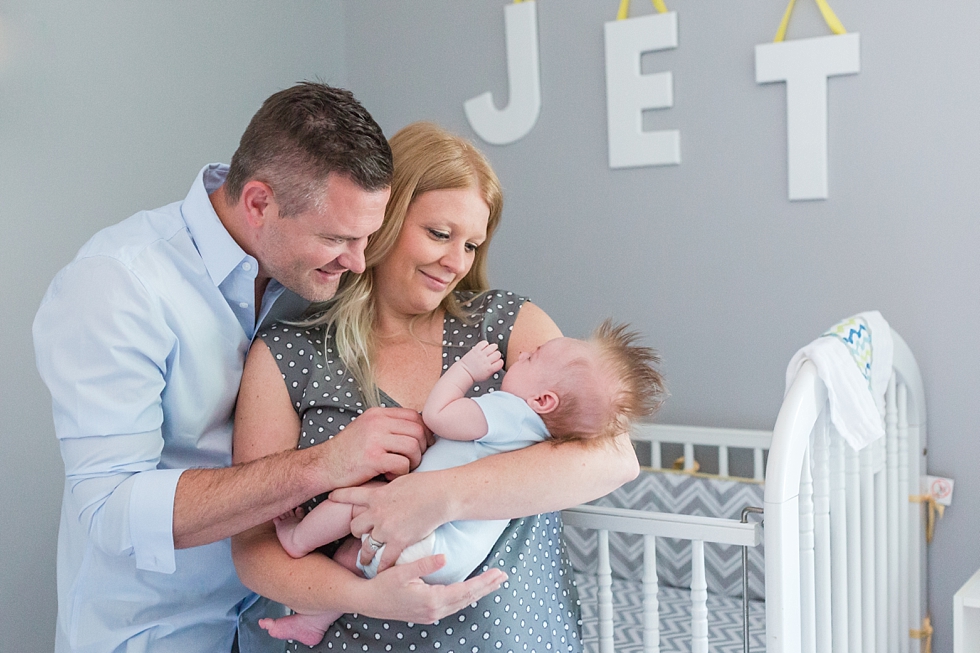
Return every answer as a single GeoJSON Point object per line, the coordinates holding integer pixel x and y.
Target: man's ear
{"type": "Point", "coordinates": [258, 203]}
{"type": "Point", "coordinates": [546, 402]}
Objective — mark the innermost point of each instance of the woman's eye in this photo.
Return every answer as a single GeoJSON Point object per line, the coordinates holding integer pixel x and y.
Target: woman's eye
{"type": "Point", "coordinates": [472, 247]}
{"type": "Point", "coordinates": [439, 235]}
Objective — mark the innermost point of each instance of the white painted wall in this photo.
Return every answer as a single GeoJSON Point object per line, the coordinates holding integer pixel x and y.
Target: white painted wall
{"type": "Point", "coordinates": [709, 258]}
{"type": "Point", "coordinates": [107, 108]}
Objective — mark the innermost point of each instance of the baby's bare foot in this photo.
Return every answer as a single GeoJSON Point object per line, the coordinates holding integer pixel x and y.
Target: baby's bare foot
{"type": "Point", "coordinates": [286, 531]}
{"type": "Point", "coordinates": [305, 628]}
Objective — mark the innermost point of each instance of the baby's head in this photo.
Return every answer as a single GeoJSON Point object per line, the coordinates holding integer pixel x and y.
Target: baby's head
{"type": "Point", "coordinates": [588, 389]}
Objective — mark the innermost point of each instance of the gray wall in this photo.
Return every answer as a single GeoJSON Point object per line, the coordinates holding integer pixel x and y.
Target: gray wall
{"type": "Point", "coordinates": [108, 108]}
{"type": "Point", "coordinates": [725, 275]}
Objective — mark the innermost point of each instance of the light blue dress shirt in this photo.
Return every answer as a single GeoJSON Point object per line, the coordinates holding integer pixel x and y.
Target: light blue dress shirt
{"type": "Point", "coordinates": [141, 341]}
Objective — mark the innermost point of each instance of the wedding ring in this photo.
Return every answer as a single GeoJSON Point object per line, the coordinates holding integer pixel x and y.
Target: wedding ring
{"type": "Point", "coordinates": [374, 544]}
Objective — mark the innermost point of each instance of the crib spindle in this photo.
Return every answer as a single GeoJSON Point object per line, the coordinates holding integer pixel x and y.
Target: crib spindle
{"type": "Point", "coordinates": [758, 468]}
{"type": "Point", "coordinates": [838, 544]}
{"type": "Point", "coordinates": [807, 583]}
{"type": "Point", "coordinates": [651, 606]}
{"type": "Point", "coordinates": [821, 527]}
{"type": "Point", "coordinates": [723, 460]}
{"type": "Point", "coordinates": [895, 635]}
{"type": "Point", "coordinates": [881, 554]}
{"type": "Point", "coordinates": [903, 516]}
{"type": "Point", "coordinates": [688, 457]}
{"type": "Point", "coordinates": [699, 599]}
{"type": "Point", "coordinates": [868, 549]}
{"type": "Point", "coordinates": [604, 582]}
{"type": "Point", "coordinates": [854, 595]}
{"type": "Point", "coordinates": [655, 455]}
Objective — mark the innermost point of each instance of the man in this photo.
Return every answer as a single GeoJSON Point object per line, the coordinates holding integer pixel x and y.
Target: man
{"type": "Point", "coordinates": [141, 341]}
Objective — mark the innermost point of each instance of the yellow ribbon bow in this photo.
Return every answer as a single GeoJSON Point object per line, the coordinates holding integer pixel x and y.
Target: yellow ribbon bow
{"type": "Point", "coordinates": [624, 8]}
{"type": "Point", "coordinates": [932, 507]}
{"type": "Point", "coordinates": [828, 14]}
{"type": "Point", "coordinates": [924, 633]}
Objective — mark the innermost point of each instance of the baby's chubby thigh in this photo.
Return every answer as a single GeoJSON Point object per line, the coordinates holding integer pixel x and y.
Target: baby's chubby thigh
{"type": "Point", "coordinates": [466, 544]}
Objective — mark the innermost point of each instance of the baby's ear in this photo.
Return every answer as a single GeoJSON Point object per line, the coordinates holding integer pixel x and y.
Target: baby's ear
{"type": "Point", "coordinates": [546, 402]}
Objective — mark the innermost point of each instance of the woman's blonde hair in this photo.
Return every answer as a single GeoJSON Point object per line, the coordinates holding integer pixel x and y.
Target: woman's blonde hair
{"type": "Point", "coordinates": [426, 157]}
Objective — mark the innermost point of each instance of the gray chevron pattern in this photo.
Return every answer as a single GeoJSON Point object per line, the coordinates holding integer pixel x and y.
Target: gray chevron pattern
{"type": "Point", "coordinates": [680, 494]}
{"type": "Point", "coordinates": [724, 619]}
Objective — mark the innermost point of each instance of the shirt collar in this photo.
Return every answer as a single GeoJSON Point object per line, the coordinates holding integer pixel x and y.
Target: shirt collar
{"type": "Point", "coordinates": [219, 251]}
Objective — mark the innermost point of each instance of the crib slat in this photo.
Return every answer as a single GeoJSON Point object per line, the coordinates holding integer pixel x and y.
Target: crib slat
{"type": "Point", "coordinates": [688, 457]}
{"type": "Point", "coordinates": [821, 526]}
{"type": "Point", "coordinates": [807, 583]}
{"type": "Point", "coordinates": [895, 635]}
{"type": "Point", "coordinates": [722, 460]}
{"type": "Point", "coordinates": [903, 516]}
{"type": "Point", "coordinates": [604, 582]}
{"type": "Point", "coordinates": [651, 606]}
{"type": "Point", "coordinates": [854, 598]}
{"type": "Point", "coordinates": [868, 550]}
{"type": "Point", "coordinates": [655, 455]}
{"type": "Point", "coordinates": [838, 544]}
{"type": "Point", "coordinates": [881, 556]}
{"type": "Point", "coordinates": [699, 599]}
{"type": "Point", "coordinates": [758, 467]}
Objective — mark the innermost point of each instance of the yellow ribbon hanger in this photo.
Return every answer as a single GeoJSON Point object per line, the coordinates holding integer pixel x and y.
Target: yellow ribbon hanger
{"type": "Point", "coordinates": [932, 507]}
{"type": "Point", "coordinates": [828, 14]}
{"type": "Point", "coordinates": [924, 633]}
{"type": "Point", "coordinates": [624, 8]}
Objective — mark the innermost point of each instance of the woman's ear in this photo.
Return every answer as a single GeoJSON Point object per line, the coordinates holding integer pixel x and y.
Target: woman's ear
{"type": "Point", "coordinates": [546, 402]}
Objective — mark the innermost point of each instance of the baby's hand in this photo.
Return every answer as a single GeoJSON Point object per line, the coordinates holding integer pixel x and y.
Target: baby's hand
{"type": "Point", "coordinates": [482, 361]}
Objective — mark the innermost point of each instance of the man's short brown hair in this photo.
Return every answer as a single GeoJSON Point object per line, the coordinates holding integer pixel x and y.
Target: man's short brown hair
{"type": "Point", "coordinates": [302, 134]}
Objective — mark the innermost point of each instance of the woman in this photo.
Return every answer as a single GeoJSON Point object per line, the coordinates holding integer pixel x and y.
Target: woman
{"type": "Point", "coordinates": [421, 303]}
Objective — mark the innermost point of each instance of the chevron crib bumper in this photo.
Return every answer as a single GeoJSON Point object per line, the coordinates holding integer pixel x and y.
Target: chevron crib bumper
{"type": "Point", "coordinates": [677, 493]}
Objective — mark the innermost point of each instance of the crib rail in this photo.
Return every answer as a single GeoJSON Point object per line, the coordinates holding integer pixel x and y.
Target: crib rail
{"type": "Point", "coordinates": [652, 525]}
{"type": "Point", "coordinates": [691, 436]}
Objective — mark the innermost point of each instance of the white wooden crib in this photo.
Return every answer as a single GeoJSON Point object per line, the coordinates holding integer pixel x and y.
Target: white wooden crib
{"type": "Point", "coordinates": [844, 531]}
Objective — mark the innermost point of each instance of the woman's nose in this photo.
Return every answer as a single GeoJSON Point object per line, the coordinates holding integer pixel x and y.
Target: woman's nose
{"type": "Point", "coordinates": [455, 260]}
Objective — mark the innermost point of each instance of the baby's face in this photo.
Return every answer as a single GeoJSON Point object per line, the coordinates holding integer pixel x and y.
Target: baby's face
{"type": "Point", "coordinates": [538, 371]}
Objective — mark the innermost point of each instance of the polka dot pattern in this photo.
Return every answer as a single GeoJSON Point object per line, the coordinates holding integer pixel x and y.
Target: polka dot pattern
{"type": "Point", "coordinates": [537, 609]}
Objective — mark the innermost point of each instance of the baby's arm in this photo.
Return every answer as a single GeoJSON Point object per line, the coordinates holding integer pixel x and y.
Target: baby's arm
{"type": "Point", "coordinates": [447, 411]}
{"type": "Point", "coordinates": [326, 523]}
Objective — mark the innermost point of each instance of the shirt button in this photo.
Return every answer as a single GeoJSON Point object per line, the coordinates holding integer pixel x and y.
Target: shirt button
{"type": "Point", "coordinates": [243, 304]}
{"type": "Point", "coordinates": [246, 266]}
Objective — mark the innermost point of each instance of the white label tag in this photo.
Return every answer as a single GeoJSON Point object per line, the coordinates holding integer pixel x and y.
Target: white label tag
{"type": "Point", "coordinates": [940, 488]}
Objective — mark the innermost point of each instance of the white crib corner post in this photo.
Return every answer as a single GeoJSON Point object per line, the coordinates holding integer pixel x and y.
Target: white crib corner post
{"type": "Point", "coordinates": [881, 555]}
{"type": "Point", "coordinates": [868, 549]}
{"type": "Point", "coordinates": [782, 532]}
{"type": "Point", "coordinates": [699, 599]}
{"type": "Point", "coordinates": [852, 483]}
{"type": "Point", "coordinates": [904, 490]}
{"type": "Point", "coordinates": [807, 581]}
{"type": "Point", "coordinates": [651, 606]}
{"type": "Point", "coordinates": [821, 525]}
{"type": "Point", "coordinates": [604, 582]}
{"type": "Point", "coordinates": [895, 634]}
{"type": "Point", "coordinates": [838, 545]}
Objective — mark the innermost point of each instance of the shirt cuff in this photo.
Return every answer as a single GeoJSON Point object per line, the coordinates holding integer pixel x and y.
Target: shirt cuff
{"type": "Point", "coordinates": [151, 510]}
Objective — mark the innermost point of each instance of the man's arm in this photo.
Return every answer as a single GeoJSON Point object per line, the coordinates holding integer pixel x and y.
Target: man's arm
{"type": "Point", "coordinates": [447, 411]}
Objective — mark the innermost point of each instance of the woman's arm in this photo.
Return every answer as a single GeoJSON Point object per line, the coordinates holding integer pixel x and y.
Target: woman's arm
{"type": "Point", "coordinates": [537, 479]}
{"type": "Point", "coordinates": [265, 423]}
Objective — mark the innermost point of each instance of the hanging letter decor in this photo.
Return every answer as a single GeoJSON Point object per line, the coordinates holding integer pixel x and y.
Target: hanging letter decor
{"type": "Point", "coordinates": [628, 92]}
{"type": "Point", "coordinates": [503, 126]}
{"type": "Point", "coordinates": [805, 65]}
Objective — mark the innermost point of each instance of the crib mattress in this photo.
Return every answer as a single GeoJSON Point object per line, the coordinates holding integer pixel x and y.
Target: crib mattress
{"type": "Point", "coordinates": [724, 619]}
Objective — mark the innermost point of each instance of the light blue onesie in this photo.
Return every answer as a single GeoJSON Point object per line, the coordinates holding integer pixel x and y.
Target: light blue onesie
{"type": "Point", "coordinates": [466, 543]}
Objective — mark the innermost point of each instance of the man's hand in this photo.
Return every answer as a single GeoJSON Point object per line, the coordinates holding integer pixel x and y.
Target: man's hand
{"type": "Point", "coordinates": [388, 441]}
{"type": "Point", "coordinates": [482, 361]}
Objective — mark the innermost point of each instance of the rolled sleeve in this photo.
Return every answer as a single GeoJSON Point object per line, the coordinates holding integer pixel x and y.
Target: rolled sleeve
{"type": "Point", "coordinates": [151, 509]}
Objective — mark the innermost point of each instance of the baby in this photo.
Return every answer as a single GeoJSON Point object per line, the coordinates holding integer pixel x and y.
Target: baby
{"type": "Point", "coordinates": [565, 390]}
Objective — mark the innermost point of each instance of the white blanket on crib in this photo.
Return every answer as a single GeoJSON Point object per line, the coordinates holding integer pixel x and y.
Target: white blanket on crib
{"type": "Point", "coordinates": [854, 360]}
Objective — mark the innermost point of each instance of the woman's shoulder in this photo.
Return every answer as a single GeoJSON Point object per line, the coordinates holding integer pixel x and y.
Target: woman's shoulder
{"type": "Point", "coordinates": [478, 304]}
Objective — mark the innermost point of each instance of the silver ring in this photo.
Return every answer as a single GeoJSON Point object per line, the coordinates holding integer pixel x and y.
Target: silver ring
{"type": "Point", "coordinates": [373, 544]}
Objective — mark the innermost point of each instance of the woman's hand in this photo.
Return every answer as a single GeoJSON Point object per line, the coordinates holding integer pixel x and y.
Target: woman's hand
{"type": "Point", "coordinates": [400, 593]}
{"type": "Point", "coordinates": [397, 514]}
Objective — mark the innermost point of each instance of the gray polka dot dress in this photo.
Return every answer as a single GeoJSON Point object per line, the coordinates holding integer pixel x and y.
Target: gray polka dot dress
{"type": "Point", "coordinates": [537, 608]}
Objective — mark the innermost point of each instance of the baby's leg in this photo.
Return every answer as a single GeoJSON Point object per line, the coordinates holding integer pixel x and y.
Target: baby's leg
{"type": "Point", "coordinates": [326, 523]}
{"type": "Point", "coordinates": [306, 628]}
